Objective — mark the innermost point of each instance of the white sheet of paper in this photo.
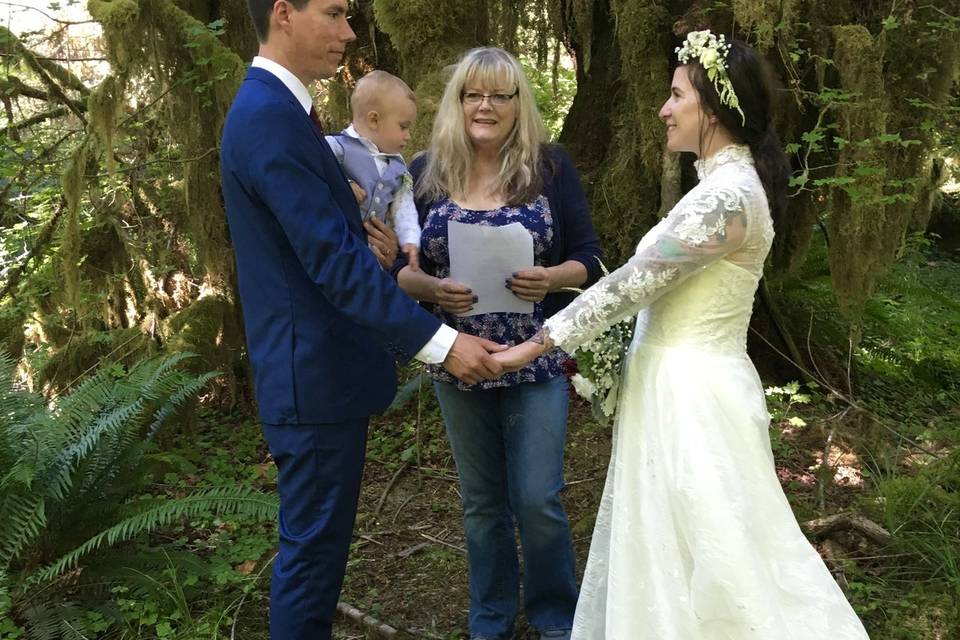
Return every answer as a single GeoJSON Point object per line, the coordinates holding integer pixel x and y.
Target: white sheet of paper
{"type": "Point", "coordinates": [483, 257]}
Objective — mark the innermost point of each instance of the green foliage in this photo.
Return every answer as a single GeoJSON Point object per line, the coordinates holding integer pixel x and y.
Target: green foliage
{"type": "Point", "coordinates": [74, 473]}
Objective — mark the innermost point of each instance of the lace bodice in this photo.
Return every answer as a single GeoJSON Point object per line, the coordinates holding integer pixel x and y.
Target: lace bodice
{"type": "Point", "coordinates": [700, 266]}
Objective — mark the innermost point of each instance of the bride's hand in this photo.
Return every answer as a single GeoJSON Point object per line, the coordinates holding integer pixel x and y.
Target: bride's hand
{"type": "Point", "coordinates": [519, 356]}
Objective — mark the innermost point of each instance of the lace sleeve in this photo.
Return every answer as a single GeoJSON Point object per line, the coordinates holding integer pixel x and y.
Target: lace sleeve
{"type": "Point", "coordinates": [704, 227]}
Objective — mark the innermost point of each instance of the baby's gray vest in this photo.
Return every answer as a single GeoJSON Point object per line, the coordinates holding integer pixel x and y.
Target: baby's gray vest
{"type": "Point", "coordinates": [359, 165]}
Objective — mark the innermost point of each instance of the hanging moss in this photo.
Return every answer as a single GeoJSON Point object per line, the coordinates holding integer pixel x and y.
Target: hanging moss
{"type": "Point", "coordinates": [201, 75]}
{"type": "Point", "coordinates": [103, 106]}
{"type": "Point", "coordinates": [73, 182]}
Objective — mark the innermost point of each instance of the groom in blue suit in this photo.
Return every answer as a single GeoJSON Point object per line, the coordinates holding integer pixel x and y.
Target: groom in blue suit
{"type": "Point", "coordinates": [322, 317]}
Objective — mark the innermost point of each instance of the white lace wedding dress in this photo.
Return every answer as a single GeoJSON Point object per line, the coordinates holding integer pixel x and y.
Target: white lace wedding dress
{"type": "Point", "coordinates": [695, 539]}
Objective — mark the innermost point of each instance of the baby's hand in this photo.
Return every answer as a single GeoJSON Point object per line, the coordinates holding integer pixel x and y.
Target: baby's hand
{"type": "Point", "coordinates": [358, 192]}
{"type": "Point", "coordinates": [413, 255]}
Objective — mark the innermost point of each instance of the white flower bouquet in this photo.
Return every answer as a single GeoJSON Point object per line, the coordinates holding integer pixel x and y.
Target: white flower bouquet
{"type": "Point", "coordinates": [600, 368]}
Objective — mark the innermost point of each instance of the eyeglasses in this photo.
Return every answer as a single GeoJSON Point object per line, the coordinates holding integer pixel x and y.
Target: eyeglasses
{"type": "Point", "coordinates": [496, 99]}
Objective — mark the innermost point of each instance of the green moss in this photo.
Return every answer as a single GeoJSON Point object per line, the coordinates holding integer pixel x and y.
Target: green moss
{"type": "Point", "coordinates": [208, 327]}
{"type": "Point", "coordinates": [201, 75]}
{"type": "Point", "coordinates": [103, 106]}
{"type": "Point", "coordinates": [864, 231]}
{"type": "Point", "coordinates": [12, 339]}
{"type": "Point", "coordinates": [81, 353]}
{"type": "Point", "coordinates": [765, 19]}
{"type": "Point", "coordinates": [626, 199]}
{"type": "Point", "coordinates": [582, 14]}
{"type": "Point", "coordinates": [430, 35]}
{"type": "Point", "coordinates": [73, 182]}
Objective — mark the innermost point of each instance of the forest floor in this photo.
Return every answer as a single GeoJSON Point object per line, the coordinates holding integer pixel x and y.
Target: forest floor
{"type": "Point", "coordinates": [408, 565]}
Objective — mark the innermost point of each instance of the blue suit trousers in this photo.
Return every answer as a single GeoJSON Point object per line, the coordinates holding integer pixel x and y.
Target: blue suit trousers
{"type": "Point", "coordinates": [319, 472]}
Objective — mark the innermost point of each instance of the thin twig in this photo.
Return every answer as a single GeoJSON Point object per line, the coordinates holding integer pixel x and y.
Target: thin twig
{"type": "Point", "coordinates": [400, 508]}
{"type": "Point", "coordinates": [443, 542]}
{"type": "Point", "coordinates": [390, 485]}
{"type": "Point", "coordinates": [47, 15]}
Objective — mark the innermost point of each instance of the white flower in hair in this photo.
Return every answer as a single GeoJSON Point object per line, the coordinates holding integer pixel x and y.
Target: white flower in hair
{"type": "Point", "coordinates": [711, 52]}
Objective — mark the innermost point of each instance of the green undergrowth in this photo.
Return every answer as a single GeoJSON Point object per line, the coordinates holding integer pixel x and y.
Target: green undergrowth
{"type": "Point", "coordinates": [901, 370]}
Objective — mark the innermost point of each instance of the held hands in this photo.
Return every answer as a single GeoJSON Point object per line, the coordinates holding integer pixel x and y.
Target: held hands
{"type": "Point", "coordinates": [519, 356]}
{"type": "Point", "coordinates": [471, 361]}
{"type": "Point", "coordinates": [382, 241]}
{"type": "Point", "coordinates": [531, 284]}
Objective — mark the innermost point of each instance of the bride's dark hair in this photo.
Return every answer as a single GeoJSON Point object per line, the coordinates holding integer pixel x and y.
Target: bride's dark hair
{"type": "Point", "coordinates": [753, 83]}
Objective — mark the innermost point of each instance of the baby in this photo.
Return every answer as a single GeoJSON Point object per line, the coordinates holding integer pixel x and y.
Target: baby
{"type": "Point", "coordinates": [384, 110]}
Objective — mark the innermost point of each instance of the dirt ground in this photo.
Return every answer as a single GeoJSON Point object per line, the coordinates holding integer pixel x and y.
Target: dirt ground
{"type": "Point", "coordinates": [408, 568]}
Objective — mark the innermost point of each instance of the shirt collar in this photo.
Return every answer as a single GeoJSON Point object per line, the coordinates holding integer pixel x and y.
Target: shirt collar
{"type": "Point", "coordinates": [368, 144]}
{"type": "Point", "coordinates": [287, 78]}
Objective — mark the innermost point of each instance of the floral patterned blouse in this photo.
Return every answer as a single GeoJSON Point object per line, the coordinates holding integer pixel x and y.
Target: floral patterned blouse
{"type": "Point", "coordinates": [505, 328]}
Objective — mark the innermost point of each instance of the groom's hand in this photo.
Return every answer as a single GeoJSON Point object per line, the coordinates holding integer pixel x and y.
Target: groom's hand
{"type": "Point", "coordinates": [469, 359]}
{"type": "Point", "coordinates": [382, 241]}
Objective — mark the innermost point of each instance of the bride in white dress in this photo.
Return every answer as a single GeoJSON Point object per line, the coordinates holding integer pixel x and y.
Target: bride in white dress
{"type": "Point", "coordinates": [694, 538]}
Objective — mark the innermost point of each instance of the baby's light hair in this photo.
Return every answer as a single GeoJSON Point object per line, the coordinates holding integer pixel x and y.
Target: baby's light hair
{"type": "Point", "coordinates": [374, 91]}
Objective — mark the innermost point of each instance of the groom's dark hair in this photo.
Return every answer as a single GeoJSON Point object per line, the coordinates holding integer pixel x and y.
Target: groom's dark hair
{"type": "Point", "coordinates": [260, 14]}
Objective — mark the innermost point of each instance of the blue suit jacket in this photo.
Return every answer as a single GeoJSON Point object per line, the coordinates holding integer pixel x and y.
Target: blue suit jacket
{"type": "Point", "coordinates": [323, 320]}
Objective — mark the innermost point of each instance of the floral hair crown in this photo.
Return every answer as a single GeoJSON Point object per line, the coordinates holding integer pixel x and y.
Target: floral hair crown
{"type": "Point", "coordinates": [711, 52]}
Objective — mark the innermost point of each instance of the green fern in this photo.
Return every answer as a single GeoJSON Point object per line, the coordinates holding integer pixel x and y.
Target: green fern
{"type": "Point", "coordinates": [72, 478]}
{"type": "Point", "coordinates": [223, 501]}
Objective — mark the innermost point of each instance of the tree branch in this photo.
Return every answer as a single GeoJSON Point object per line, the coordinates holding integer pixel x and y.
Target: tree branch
{"type": "Point", "coordinates": [12, 86]}
{"type": "Point", "coordinates": [47, 15]}
{"type": "Point", "coordinates": [42, 240]}
{"type": "Point", "coordinates": [56, 112]}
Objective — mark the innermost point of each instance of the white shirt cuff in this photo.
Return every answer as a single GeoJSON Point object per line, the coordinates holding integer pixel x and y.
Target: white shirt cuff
{"type": "Point", "coordinates": [435, 351]}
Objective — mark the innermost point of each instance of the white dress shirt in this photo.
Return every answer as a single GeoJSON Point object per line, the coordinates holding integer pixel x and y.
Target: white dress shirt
{"type": "Point", "coordinates": [436, 350]}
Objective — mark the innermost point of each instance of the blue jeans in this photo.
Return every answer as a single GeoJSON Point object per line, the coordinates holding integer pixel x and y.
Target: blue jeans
{"type": "Point", "coordinates": [508, 446]}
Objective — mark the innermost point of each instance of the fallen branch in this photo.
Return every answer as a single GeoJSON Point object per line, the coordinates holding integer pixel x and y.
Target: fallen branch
{"type": "Point", "coordinates": [443, 542]}
{"type": "Point", "coordinates": [365, 620]}
{"type": "Point", "coordinates": [390, 485]}
{"type": "Point", "coordinates": [409, 551]}
{"type": "Point", "coordinates": [823, 527]}
{"type": "Point", "coordinates": [834, 556]}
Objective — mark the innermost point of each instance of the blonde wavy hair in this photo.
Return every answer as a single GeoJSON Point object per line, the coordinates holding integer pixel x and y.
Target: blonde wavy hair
{"type": "Point", "coordinates": [451, 152]}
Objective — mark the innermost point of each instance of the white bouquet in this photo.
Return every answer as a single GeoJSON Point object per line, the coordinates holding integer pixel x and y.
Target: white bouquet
{"type": "Point", "coordinates": [600, 368]}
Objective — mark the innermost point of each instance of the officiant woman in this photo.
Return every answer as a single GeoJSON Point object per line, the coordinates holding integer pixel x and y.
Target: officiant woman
{"type": "Point", "coordinates": [489, 163]}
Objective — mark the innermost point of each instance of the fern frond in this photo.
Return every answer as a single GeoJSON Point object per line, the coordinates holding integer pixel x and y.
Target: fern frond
{"type": "Point", "coordinates": [181, 395]}
{"type": "Point", "coordinates": [223, 500]}
{"type": "Point", "coordinates": [24, 517]}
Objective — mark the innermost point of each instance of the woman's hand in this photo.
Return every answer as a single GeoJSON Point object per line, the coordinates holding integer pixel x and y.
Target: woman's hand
{"type": "Point", "coordinates": [519, 356]}
{"type": "Point", "coordinates": [531, 284]}
{"type": "Point", "coordinates": [382, 241]}
{"type": "Point", "coordinates": [453, 296]}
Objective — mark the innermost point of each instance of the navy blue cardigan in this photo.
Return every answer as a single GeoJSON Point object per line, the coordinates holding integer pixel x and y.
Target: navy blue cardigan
{"type": "Point", "coordinates": [573, 235]}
